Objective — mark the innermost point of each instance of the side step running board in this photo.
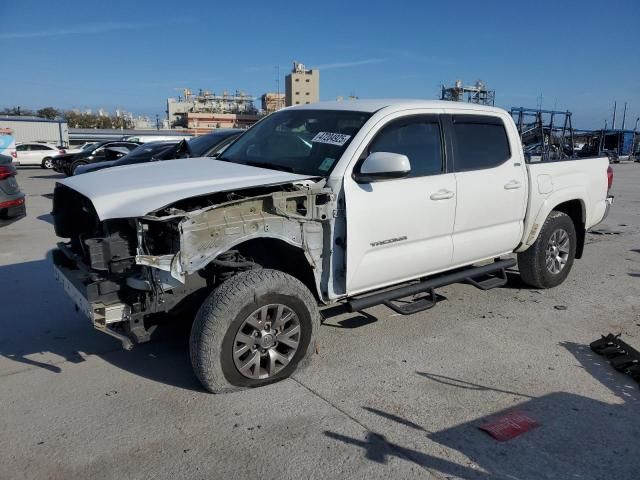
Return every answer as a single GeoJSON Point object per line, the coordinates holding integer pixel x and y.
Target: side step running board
{"type": "Point", "coordinates": [492, 280]}
{"type": "Point", "coordinates": [415, 306]}
{"type": "Point", "coordinates": [496, 278]}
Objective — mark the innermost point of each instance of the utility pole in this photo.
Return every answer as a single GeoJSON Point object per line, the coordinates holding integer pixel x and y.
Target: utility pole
{"type": "Point", "coordinates": [613, 122]}
{"type": "Point", "coordinates": [624, 114]}
{"type": "Point", "coordinates": [278, 103]}
{"type": "Point", "coordinates": [157, 122]}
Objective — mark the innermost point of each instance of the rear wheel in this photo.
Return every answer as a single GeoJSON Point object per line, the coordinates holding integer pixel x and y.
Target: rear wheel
{"type": "Point", "coordinates": [47, 163]}
{"type": "Point", "coordinates": [548, 261]}
{"type": "Point", "coordinates": [256, 328]}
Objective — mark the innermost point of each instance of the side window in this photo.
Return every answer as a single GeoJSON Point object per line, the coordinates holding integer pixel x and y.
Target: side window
{"type": "Point", "coordinates": [418, 139]}
{"type": "Point", "coordinates": [22, 148]}
{"type": "Point", "coordinates": [479, 142]}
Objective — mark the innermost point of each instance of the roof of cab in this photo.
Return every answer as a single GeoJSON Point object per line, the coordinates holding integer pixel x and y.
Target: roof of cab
{"type": "Point", "coordinates": [373, 105]}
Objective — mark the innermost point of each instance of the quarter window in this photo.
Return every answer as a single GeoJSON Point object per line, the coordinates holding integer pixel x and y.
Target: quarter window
{"type": "Point", "coordinates": [418, 139]}
{"type": "Point", "coordinates": [479, 143]}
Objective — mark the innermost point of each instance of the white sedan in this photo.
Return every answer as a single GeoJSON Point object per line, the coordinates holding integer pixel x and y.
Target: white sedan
{"type": "Point", "coordinates": [37, 154]}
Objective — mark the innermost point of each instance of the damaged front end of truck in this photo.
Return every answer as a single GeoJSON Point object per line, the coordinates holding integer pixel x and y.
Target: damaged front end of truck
{"type": "Point", "coordinates": [121, 272]}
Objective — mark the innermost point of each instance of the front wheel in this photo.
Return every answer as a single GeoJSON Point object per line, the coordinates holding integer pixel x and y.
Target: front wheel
{"type": "Point", "coordinates": [548, 261]}
{"type": "Point", "coordinates": [256, 328]}
{"type": "Point", "coordinates": [47, 163]}
{"type": "Point", "coordinates": [75, 165]}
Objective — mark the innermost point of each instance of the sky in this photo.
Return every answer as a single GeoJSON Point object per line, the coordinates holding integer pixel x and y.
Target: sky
{"type": "Point", "coordinates": [579, 56]}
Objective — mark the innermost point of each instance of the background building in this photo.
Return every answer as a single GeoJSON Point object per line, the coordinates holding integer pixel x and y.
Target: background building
{"type": "Point", "coordinates": [226, 108]}
{"type": "Point", "coordinates": [32, 129]}
{"type": "Point", "coordinates": [302, 86]}
{"type": "Point", "coordinates": [272, 101]}
{"type": "Point", "coordinates": [201, 123]}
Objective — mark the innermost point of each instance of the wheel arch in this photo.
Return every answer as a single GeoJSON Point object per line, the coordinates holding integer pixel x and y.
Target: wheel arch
{"type": "Point", "coordinates": [277, 253]}
{"type": "Point", "coordinates": [568, 202]}
{"type": "Point", "coordinates": [575, 209]}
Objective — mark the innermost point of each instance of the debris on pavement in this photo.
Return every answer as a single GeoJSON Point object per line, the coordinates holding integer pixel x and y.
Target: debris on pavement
{"type": "Point", "coordinates": [621, 356]}
{"type": "Point", "coordinates": [509, 426]}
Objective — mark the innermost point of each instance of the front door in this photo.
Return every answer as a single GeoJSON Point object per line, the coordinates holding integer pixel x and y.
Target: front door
{"type": "Point", "coordinates": [401, 229]}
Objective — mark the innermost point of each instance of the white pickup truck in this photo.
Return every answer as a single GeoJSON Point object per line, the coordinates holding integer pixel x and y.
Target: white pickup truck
{"type": "Point", "coordinates": [359, 202]}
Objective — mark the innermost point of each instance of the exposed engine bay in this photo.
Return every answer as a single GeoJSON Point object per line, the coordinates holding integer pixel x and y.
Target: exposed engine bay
{"type": "Point", "coordinates": [130, 268]}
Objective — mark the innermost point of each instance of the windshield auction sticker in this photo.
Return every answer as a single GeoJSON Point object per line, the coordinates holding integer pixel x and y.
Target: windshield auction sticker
{"type": "Point", "coordinates": [338, 139]}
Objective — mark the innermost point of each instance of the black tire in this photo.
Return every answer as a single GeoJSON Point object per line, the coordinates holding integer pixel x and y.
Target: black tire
{"type": "Point", "coordinates": [47, 163]}
{"type": "Point", "coordinates": [224, 313]}
{"type": "Point", "coordinates": [74, 165]}
{"type": "Point", "coordinates": [532, 263]}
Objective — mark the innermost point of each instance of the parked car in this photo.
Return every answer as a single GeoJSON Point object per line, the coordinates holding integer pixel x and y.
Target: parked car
{"type": "Point", "coordinates": [211, 143]}
{"type": "Point", "coordinates": [204, 146]}
{"type": "Point", "coordinates": [156, 138]}
{"type": "Point", "coordinates": [143, 153]}
{"type": "Point", "coordinates": [96, 153]}
{"type": "Point", "coordinates": [358, 203]}
{"type": "Point", "coordinates": [37, 154]}
{"type": "Point", "coordinates": [12, 206]}
{"type": "Point", "coordinates": [79, 148]}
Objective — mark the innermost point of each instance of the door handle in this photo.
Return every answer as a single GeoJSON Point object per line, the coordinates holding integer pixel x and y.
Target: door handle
{"type": "Point", "coordinates": [442, 194]}
{"type": "Point", "coordinates": [512, 185]}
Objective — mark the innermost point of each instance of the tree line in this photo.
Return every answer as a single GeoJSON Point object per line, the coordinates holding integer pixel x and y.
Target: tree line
{"type": "Point", "coordinates": [73, 118]}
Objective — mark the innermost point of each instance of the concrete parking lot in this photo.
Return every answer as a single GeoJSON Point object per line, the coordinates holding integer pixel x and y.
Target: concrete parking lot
{"type": "Point", "coordinates": [386, 396]}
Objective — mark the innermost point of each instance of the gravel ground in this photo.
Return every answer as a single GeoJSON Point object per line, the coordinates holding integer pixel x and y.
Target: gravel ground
{"type": "Point", "coordinates": [386, 397]}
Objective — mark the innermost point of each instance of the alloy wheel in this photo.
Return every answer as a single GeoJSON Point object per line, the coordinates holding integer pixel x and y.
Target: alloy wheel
{"type": "Point", "coordinates": [557, 251]}
{"type": "Point", "coordinates": [266, 341]}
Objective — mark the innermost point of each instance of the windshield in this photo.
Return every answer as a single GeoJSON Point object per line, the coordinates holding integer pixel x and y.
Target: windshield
{"type": "Point", "coordinates": [308, 142]}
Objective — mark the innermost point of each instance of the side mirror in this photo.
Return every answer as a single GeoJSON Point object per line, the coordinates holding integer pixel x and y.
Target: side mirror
{"type": "Point", "coordinates": [382, 166]}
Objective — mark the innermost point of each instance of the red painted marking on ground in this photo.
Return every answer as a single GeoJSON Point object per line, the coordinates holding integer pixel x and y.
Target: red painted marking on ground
{"type": "Point", "coordinates": [509, 426]}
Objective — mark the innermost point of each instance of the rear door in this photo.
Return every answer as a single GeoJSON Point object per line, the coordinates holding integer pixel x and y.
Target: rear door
{"type": "Point", "coordinates": [401, 229]}
{"type": "Point", "coordinates": [492, 187]}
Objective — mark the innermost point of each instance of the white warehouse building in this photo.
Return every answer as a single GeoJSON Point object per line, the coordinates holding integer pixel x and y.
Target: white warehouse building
{"type": "Point", "coordinates": [33, 129]}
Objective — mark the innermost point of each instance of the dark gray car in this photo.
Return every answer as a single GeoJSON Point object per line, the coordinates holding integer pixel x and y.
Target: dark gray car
{"type": "Point", "coordinates": [207, 145]}
{"type": "Point", "coordinates": [12, 205]}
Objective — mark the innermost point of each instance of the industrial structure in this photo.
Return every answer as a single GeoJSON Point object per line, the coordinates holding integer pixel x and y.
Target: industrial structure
{"type": "Point", "coordinates": [302, 85]}
{"type": "Point", "coordinates": [545, 134]}
{"type": "Point", "coordinates": [477, 93]}
{"type": "Point", "coordinates": [272, 102]}
{"type": "Point", "coordinates": [207, 110]}
{"type": "Point", "coordinates": [617, 144]}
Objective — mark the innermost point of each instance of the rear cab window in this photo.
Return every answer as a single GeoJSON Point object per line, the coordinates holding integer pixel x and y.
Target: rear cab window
{"type": "Point", "coordinates": [479, 142]}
